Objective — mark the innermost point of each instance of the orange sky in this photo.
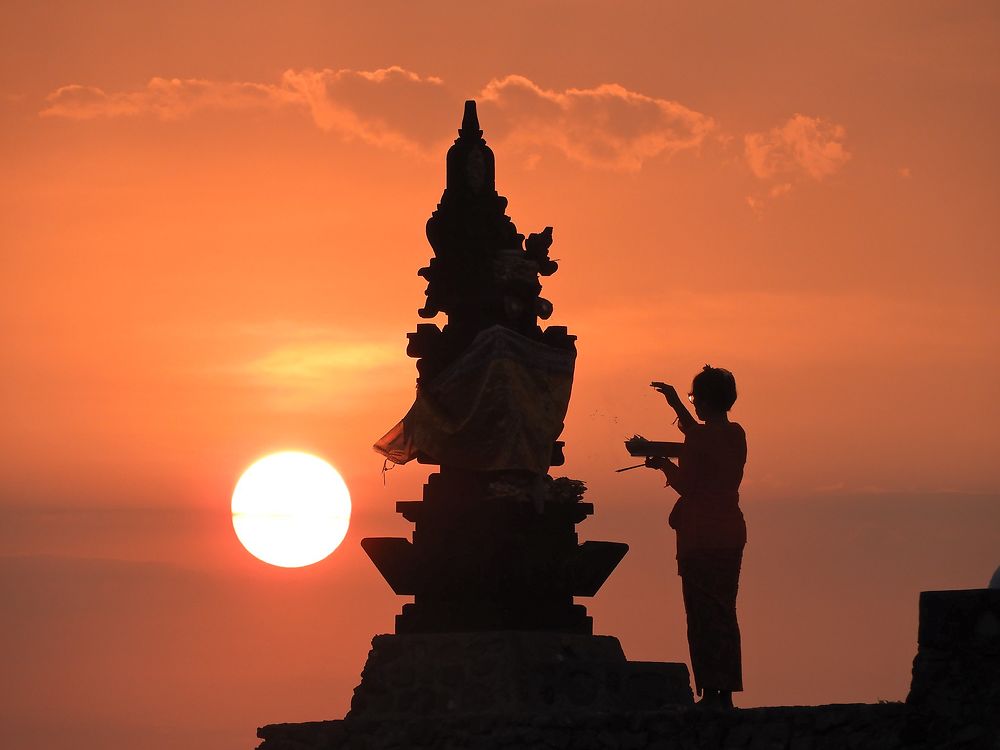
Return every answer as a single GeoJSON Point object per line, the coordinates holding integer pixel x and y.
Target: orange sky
{"type": "Point", "coordinates": [210, 224]}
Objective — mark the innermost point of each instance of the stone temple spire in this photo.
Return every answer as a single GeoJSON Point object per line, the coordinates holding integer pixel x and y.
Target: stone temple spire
{"type": "Point", "coordinates": [495, 546]}
{"type": "Point", "coordinates": [471, 164]}
{"type": "Point", "coordinates": [470, 121]}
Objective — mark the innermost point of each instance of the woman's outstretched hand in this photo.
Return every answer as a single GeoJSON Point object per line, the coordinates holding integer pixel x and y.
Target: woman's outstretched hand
{"type": "Point", "coordinates": [684, 418]}
{"type": "Point", "coordinates": [669, 393]}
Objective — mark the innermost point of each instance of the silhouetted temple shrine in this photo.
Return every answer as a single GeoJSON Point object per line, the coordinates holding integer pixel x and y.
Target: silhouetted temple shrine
{"type": "Point", "coordinates": [493, 652]}
{"type": "Point", "coordinates": [495, 546]}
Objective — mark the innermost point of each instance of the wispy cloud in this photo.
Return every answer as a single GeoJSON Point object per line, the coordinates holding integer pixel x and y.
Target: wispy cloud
{"type": "Point", "coordinates": [315, 368]}
{"type": "Point", "coordinates": [165, 98]}
{"type": "Point", "coordinates": [802, 146]}
{"type": "Point", "coordinates": [368, 105]}
{"type": "Point", "coordinates": [315, 362]}
{"type": "Point", "coordinates": [605, 126]}
{"type": "Point", "coordinates": [384, 108]}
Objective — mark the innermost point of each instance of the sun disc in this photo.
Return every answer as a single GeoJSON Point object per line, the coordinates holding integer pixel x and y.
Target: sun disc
{"type": "Point", "coordinates": [291, 509]}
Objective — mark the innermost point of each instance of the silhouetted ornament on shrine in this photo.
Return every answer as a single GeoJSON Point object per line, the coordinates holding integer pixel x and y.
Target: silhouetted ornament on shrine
{"type": "Point", "coordinates": [495, 546]}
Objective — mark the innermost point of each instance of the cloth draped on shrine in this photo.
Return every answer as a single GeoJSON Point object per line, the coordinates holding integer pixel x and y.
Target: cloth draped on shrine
{"type": "Point", "coordinates": [499, 406]}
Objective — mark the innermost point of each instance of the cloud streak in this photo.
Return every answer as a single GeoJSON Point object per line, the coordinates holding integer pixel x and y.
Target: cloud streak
{"type": "Point", "coordinates": [608, 126]}
{"type": "Point", "coordinates": [314, 367]}
{"type": "Point", "coordinates": [164, 98]}
{"type": "Point", "coordinates": [604, 127]}
{"type": "Point", "coordinates": [365, 105]}
{"type": "Point", "coordinates": [801, 149]}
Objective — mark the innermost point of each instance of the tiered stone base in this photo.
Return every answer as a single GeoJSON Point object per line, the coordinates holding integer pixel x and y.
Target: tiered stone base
{"type": "Point", "coordinates": [510, 672]}
{"type": "Point", "coordinates": [489, 555]}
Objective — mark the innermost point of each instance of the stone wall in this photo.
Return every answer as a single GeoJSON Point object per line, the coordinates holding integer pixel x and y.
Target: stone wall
{"type": "Point", "coordinates": [836, 727]}
{"type": "Point", "coordinates": [955, 690]}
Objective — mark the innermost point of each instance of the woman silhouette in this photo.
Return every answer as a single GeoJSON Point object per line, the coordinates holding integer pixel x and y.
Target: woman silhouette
{"type": "Point", "coordinates": [711, 532]}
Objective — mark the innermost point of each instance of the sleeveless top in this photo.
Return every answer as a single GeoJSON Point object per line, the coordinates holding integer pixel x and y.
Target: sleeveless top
{"type": "Point", "coordinates": [707, 514]}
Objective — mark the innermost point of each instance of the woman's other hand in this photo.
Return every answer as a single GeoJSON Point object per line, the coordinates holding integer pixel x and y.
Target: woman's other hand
{"type": "Point", "coordinates": [637, 445]}
{"type": "Point", "coordinates": [655, 462]}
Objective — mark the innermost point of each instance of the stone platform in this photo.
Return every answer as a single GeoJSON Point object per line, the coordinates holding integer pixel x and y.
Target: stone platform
{"type": "Point", "coordinates": [503, 673]}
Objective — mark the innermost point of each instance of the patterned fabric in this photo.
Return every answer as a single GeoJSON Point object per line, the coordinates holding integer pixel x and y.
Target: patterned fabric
{"type": "Point", "coordinates": [710, 580]}
{"type": "Point", "coordinates": [499, 406]}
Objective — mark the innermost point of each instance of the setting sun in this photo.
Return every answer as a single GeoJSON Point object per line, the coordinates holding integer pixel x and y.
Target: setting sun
{"type": "Point", "coordinates": [291, 509]}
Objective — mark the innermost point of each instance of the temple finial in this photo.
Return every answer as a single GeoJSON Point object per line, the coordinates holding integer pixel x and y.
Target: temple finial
{"type": "Point", "coordinates": [470, 121]}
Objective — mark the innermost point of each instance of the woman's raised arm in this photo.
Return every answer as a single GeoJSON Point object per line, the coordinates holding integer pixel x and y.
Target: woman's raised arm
{"type": "Point", "coordinates": [684, 418]}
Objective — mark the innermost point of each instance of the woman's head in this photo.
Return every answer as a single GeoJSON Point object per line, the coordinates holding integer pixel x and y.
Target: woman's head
{"type": "Point", "coordinates": [713, 390]}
